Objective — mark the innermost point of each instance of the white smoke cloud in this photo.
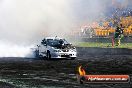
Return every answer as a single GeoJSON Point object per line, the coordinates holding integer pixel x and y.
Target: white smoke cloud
{"type": "Point", "coordinates": [8, 49]}
{"type": "Point", "coordinates": [26, 22]}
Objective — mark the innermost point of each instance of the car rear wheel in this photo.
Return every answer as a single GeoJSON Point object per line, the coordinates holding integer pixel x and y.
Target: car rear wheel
{"type": "Point", "coordinates": [48, 55]}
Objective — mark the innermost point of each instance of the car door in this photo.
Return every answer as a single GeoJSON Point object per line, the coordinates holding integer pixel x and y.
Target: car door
{"type": "Point", "coordinates": [43, 48]}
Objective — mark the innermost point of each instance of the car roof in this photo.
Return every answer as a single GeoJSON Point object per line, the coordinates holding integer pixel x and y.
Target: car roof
{"type": "Point", "coordinates": [53, 38]}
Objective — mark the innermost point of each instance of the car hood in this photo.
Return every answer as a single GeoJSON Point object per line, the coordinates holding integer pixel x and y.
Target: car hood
{"type": "Point", "coordinates": [65, 46]}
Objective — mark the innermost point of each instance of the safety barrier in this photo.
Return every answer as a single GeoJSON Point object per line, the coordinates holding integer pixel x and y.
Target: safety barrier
{"type": "Point", "coordinates": [102, 32]}
{"type": "Point", "coordinates": [127, 32]}
{"type": "Point", "coordinates": [86, 51]}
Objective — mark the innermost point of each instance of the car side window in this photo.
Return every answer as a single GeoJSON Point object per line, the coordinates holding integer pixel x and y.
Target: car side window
{"type": "Point", "coordinates": [43, 41]}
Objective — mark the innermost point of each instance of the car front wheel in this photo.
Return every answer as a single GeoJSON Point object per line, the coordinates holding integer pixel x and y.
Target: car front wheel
{"type": "Point", "coordinates": [73, 58]}
{"type": "Point", "coordinates": [48, 55]}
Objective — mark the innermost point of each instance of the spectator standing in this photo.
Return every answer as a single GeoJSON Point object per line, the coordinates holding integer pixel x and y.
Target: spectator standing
{"type": "Point", "coordinates": [118, 35]}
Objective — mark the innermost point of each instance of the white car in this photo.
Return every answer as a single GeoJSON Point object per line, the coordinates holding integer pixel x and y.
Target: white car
{"type": "Point", "coordinates": [54, 47]}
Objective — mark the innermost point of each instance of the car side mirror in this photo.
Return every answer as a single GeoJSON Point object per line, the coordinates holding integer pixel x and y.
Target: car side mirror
{"type": "Point", "coordinates": [70, 43]}
{"type": "Point", "coordinates": [45, 44]}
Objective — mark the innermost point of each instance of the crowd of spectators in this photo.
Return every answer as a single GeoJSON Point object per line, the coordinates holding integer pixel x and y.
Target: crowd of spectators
{"type": "Point", "coordinates": [113, 18]}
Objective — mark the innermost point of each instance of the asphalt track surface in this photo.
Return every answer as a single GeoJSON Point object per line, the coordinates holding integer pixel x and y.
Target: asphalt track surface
{"type": "Point", "coordinates": [30, 73]}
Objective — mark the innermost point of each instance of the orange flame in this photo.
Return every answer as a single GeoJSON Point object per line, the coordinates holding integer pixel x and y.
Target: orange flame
{"type": "Point", "coordinates": [81, 71]}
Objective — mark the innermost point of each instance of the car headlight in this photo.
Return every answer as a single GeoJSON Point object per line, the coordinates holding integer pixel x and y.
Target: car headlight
{"type": "Point", "coordinates": [55, 50]}
{"type": "Point", "coordinates": [73, 50]}
{"type": "Point", "coordinates": [74, 47]}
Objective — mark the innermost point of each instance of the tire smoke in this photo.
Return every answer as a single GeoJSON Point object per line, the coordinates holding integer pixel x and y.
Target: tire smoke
{"type": "Point", "coordinates": [24, 23]}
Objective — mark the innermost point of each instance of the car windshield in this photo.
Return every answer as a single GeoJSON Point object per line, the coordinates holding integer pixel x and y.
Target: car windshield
{"type": "Point", "coordinates": [56, 42]}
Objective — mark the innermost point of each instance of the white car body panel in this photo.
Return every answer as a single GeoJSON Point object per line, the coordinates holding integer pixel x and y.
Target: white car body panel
{"type": "Point", "coordinates": [56, 53]}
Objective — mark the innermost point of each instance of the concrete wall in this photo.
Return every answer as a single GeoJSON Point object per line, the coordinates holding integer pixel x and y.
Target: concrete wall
{"type": "Point", "coordinates": [86, 51]}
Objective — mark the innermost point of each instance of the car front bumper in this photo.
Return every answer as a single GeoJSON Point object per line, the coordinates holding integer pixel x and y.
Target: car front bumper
{"type": "Point", "coordinates": [64, 55]}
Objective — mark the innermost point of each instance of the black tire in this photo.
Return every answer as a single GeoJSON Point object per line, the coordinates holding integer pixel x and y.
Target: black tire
{"type": "Point", "coordinates": [36, 53]}
{"type": "Point", "coordinates": [48, 55]}
{"type": "Point", "coordinates": [40, 56]}
{"type": "Point", "coordinates": [73, 58]}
